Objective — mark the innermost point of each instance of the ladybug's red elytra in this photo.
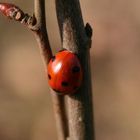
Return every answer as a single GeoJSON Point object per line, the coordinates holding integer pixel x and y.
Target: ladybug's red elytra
{"type": "Point", "coordinates": [65, 72]}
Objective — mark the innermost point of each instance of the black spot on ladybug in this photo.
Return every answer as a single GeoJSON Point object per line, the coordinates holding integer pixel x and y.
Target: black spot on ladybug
{"type": "Point", "coordinates": [75, 69]}
{"type": "Point", "coordinates": [49, 76]}
{"type": "Point", "coordinates": [53, 58]}
{"type": "Point", "coordinates": [65, 84]}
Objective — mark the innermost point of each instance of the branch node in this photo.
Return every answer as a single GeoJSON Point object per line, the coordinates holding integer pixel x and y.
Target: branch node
{"type": "Point", "coordinates": [17, 15]}
{"type": "Point", "coordinates": [12, 11]}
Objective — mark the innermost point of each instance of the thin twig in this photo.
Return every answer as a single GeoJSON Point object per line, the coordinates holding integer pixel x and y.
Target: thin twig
{"type": "Point", "coordinates": [40, 30]}
{"type": "Point", "coordinates": [37, 24]}
{"type": "Point", "coordinates": [42, 38]}
{"type": "Point", "coordinates": [60, 115]}
{"type": "Point", "coordinates": [76, 38]}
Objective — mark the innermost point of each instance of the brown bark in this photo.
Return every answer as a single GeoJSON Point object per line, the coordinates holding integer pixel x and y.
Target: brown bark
{"type": "Point", "coordinates": [75, 39]}
{"type": "Point", "coordinates": [42, 38]}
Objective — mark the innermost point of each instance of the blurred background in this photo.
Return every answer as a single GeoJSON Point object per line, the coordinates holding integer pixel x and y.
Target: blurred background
{"type": "Point", "coordinates": [26, 111]}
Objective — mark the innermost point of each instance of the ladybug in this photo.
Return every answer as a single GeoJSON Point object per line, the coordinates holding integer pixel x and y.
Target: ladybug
{"type": "Point", "coordinates": [65, 72]}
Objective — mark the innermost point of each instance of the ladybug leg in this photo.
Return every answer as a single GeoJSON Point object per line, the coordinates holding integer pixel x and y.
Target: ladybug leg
{"type": "Point", "coordinates": [88, 30]}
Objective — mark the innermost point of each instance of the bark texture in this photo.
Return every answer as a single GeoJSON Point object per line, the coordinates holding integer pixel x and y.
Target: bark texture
{"type": "Point", "coordinates": [75, 39]}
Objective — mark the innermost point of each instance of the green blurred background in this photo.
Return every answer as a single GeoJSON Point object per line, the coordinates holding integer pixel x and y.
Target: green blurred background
{"type": "Point", "coordinates": [26, 111]}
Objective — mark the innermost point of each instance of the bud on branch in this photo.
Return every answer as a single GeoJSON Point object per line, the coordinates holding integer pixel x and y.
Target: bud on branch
{"type": "Point", "coordinates": [14, 12]}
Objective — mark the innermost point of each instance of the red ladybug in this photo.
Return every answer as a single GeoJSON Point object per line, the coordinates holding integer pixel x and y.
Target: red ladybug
{"type": "Point", "coordinates": [65, 72]}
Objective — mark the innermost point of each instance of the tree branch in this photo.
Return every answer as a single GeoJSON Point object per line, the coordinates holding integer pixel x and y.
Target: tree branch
{"type": "Point", "coordinates": [77, 39]}
{"type": "Point", "coordinates": [37, 24]}
{"type": "Point", "coordinates": [42, 38]}
{"type": "Point", "coordinates": [40, 30]}
{"type": "Point", "coordinates": [60, 110]}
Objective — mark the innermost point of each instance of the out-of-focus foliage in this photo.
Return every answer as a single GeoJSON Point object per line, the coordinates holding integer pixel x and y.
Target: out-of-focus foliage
{"type": "Point", "coordinates": [26, 111]}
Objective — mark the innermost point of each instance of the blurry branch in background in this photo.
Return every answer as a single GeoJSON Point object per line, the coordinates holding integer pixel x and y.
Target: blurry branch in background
{"type": "Point", "coordinates": [77, 38]}
{"type": "Point", "coordinates": [37, 24]}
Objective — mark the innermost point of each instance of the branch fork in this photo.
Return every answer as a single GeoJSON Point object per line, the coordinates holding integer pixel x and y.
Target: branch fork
{"type": "Point", "coordinates": [37, 24]}
{"type": "Point", "coordinates": [75, 37]}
